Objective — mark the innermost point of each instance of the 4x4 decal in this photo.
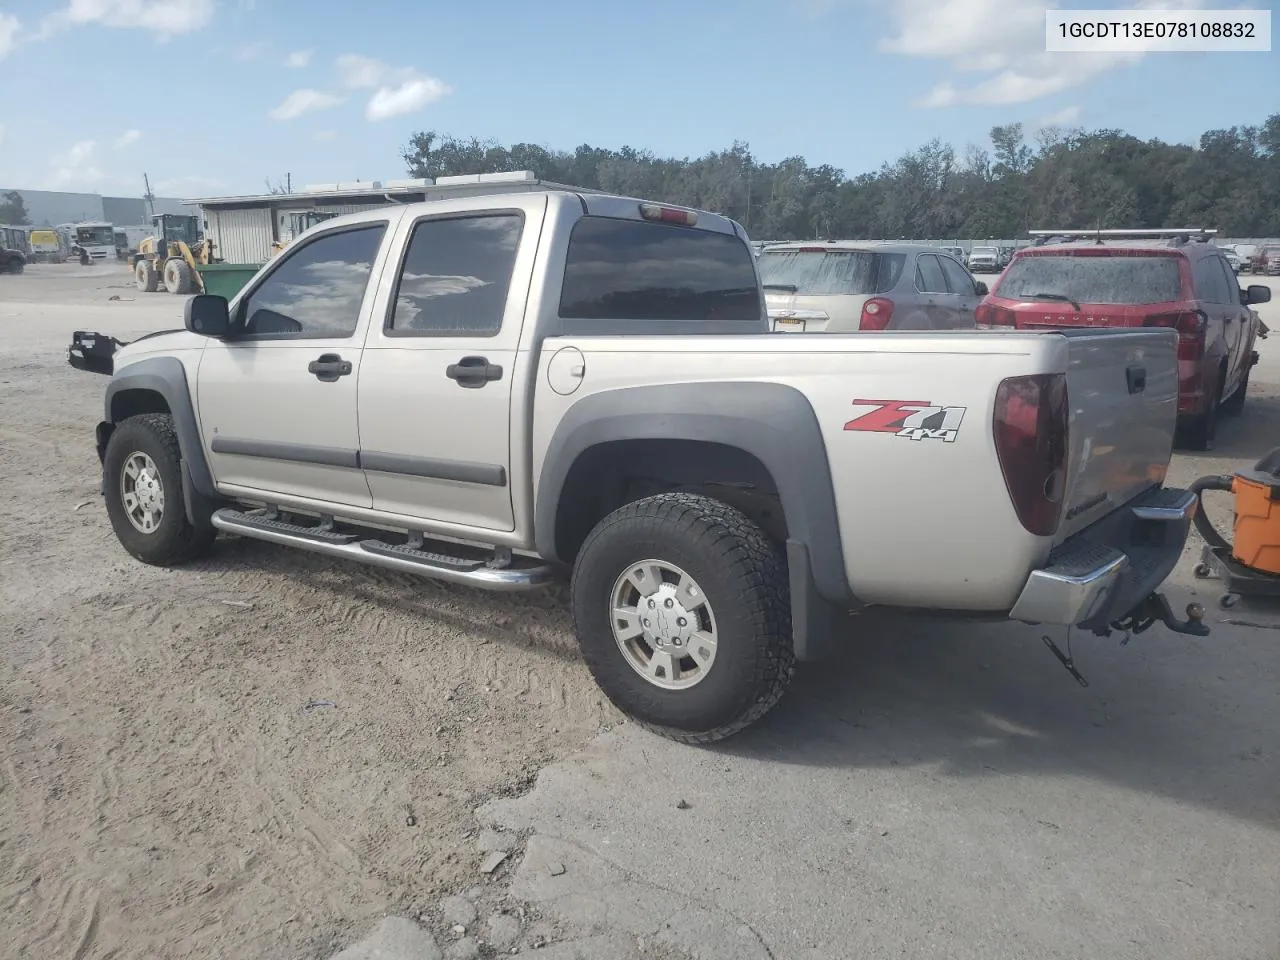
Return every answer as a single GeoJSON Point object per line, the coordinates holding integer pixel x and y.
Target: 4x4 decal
{"type": "Point", "coordinates": [912, 419]}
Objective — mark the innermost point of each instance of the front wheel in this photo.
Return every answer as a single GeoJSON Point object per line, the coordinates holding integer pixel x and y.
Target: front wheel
{"type": "Point", "coordinates": [142, 483]}
{"type": "Point", "coordinates": [144, 276]}
{"type": "Point", "coordinates": [177, 276]}
{"type": "Point", "coordinates": [681, 609]}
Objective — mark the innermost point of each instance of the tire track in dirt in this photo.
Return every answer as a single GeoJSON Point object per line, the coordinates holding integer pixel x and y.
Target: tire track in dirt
{"type": "Point", "coordinates": [169, 793]}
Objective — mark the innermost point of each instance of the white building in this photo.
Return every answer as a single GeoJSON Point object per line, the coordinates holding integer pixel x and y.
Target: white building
{"type": "Point", "coordinates": [244, 228]}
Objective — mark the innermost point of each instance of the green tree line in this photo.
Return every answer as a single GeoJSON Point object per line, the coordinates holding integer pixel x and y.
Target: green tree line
{"type": "Point", "coordinates": [1058, 178]}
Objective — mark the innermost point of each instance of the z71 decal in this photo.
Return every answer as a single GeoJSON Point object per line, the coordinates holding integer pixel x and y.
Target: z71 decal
{"type": "Point", "coordinates": [912, 419]}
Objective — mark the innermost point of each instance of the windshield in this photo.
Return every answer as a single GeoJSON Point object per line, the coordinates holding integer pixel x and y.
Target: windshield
{"type": "Point", "coordinates": [985, 252]}
{"type": "Point", "coordinates": [1093, 279]}
{"type": "Point", "coordinates": [103, 236]}
{"type": "Point", "coordinates": [829, 272]}
{"type": "Point", "coordinates": [180, 228]}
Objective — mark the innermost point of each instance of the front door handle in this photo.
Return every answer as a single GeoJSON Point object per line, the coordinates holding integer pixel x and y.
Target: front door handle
{"type": "Point", "coordinates": [328, 367]}
{"type": "Point", "coordinates": [473, 372]}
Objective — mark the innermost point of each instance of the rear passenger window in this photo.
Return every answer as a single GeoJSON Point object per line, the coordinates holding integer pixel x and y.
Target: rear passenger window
{"type": "Point", "coordinates": [637, 270]}
{"type": "Point", "coordinates": [929, 276]}
{"type": "Point", "coordinates": [957, 279]}
{"type": "Point", "coordinates": [455, 277]}
{"type": "Point", "coordinates": [316, 290]}
{"type": "Point", "coordinates": [1208, 279]}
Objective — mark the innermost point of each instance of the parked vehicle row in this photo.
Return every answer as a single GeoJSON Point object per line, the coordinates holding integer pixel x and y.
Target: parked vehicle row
{"type": "Point", "coordinates": [1186, 285]}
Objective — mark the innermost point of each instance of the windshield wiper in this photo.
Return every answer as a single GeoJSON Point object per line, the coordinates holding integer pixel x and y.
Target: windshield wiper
{"type": "Point", "coordinates": [781, 286]}
{"type": "Point", "coordinates": [1053, 296]}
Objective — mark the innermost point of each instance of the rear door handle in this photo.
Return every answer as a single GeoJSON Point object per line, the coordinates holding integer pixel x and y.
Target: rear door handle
{"type": "Point", "coordinates": [328, 367]}
{"type": "Point", "coordinates": [1137, 378]}
{"type": "Point", "coordinates": [473, 372]}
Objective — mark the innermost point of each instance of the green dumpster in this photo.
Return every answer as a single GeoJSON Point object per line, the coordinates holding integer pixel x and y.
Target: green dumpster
{"type": "Point", "coordinates": [226, 279]}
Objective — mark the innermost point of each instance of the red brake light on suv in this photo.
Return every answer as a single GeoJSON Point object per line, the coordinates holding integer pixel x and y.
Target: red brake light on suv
{"type": "Point", "coordinates": [1031, 426]}
{"type": "Point", "coordinates": [1191, 326]}
{"type": "Point", "coordinates": [876, 314]}
{"type": "Point", "coordinates": [991, 315]}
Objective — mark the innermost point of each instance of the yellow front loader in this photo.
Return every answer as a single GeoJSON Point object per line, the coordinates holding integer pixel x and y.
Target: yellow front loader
{"type": "Point", "coordinates": [171, 256]}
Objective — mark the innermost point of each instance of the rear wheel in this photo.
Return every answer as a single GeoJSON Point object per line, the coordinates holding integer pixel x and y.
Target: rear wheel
{"type": "Point", "coordinates": [177, 276]}
{"type": "Point", "coordinates": [680, 607]}
{"type": "Point", "coordinates": [1198, 432]}
{"type": "Point", "coordinates": [144, 275]}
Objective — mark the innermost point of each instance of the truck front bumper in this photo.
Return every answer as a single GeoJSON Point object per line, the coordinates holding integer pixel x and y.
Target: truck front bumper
{"type": "Point", "coordinates": [1108, 570]}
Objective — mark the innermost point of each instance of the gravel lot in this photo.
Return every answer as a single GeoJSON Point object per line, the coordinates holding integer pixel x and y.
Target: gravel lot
{"type": "Point", "coordinates": [262, 754]}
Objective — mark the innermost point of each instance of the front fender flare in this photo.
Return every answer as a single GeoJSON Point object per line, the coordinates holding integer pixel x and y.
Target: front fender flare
{"type": "Point", "coordinates": [167, 377]}
{"type": "Point", "coordinates": [772, 422]}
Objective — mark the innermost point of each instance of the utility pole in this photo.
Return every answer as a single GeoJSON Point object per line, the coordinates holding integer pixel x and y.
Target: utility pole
{"type": "Point", "coordinates": [288, 183]}
{"type": "Point", "coordinates": [149, 196]}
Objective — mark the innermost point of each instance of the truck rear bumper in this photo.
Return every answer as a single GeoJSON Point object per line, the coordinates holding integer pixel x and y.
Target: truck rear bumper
{"type": "Point", "coordinates": [1107, 570]}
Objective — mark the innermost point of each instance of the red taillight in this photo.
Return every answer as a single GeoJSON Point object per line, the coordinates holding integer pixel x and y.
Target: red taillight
{"type": "Point", "coordinates": [1190, 325]}
{"type": "Point", "coordinates": [990, 315]}
{"type": "Point", "coordinates": [876, 314]}
{"type": "Point", "coordinates": [811, 250]}
{"type": "Point", "coordinates": [654, 211]}
{"type": "Point", "coordinates": [1031, 427]}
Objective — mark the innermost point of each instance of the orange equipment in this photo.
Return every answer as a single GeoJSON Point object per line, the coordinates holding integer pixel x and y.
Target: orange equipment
{"type": "Point", "coordinates": [1250, 565]}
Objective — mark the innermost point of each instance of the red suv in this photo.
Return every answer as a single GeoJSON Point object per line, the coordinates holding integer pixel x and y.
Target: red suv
{"type": "Point", "coordinates": [1181, 283]}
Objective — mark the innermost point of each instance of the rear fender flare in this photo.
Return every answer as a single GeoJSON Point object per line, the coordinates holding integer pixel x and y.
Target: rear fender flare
{"type": "Point", "coordinates": [167, 377]}
{"type": "Point", "coordinates": [772, 422]}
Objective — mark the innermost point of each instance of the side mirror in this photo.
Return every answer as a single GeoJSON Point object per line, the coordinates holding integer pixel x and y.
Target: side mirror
{"type": "Point", "coordinates": [981, 288]}
{"type": "Point", "coordinates": [208, 315]}
{"type": "Point", "coordinates": [1257, 293]}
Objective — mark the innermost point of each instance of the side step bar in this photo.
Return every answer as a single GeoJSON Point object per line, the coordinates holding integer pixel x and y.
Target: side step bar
{"type": "Point", "coordinates": [405, 558]}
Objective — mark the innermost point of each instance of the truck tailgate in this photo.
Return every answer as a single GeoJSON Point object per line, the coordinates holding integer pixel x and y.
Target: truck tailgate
{"type": "Point", "coordinates": [1122, 385]}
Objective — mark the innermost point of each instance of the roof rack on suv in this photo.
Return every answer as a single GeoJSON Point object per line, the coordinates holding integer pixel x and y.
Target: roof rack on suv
{"type": "Point", "coordinates": [1175, 235]}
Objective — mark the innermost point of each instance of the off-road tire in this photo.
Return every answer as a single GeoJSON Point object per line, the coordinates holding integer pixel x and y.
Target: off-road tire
{"type": "Point", "coordinates": [1234, 404]}
{"type": "Point", "coordinates": [177, 276]}
{"type": "Point", "coordinates": [176, 540]}
{"type": "Point", "coordinates": [744, 578]}
{"type": "Point", "coordinates": [144, 276]}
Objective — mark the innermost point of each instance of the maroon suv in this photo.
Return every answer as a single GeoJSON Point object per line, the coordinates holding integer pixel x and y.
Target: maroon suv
{"type": "Point", "coordinates": [1183, 284]}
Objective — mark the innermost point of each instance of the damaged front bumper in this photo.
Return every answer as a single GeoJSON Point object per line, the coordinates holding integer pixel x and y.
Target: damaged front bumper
{"type": "Point", "coordinates": [93, 352]}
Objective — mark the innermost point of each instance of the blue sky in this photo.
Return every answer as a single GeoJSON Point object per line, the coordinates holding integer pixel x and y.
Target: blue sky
{"type": "Point", "coordinates": [213, 96]}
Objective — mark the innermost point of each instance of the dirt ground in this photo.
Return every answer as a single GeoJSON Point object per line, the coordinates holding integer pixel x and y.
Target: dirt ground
{"type": "Point", "coordinates": [226, 760]}
{"type": "Point", "coordinates": [262, 753]}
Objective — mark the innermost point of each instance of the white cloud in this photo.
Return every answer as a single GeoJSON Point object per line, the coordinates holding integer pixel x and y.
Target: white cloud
{"type": "Point", "coordinates": [75, 168]}
{"type": "Point", "coordinates": [251, 51]}
{"type": "Point", "coordinates": [303, 101]}
{"type": "Point", "coordinates": [126, 138]}
{"type": "Point", "coordinates": [164, 18]}
{"type": "Point", "coordinates": [8, 31]}
{"type": "Point", "coordinates": [1062, 117]}
{"type": "Point", "coordinates": [408, 97]}
{"type": "Point", "coordinates": [323, 135]}
{"type": "Point", "coordinates": [359, 72]}
{"type": "Point", "coordinates": [298, 59]}
{"type": "Point", "coordinates": [399, 90]}
{"type": "Point", "coordinates": [1003, 39]}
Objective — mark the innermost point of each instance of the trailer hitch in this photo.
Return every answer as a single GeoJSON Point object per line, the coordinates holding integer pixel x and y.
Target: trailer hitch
{"type": "Point", "coordinates": [1155, 609]}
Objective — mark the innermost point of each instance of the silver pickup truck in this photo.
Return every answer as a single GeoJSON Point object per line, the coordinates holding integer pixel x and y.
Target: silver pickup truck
{"type": "Point", "coordinates": [503, 391]}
